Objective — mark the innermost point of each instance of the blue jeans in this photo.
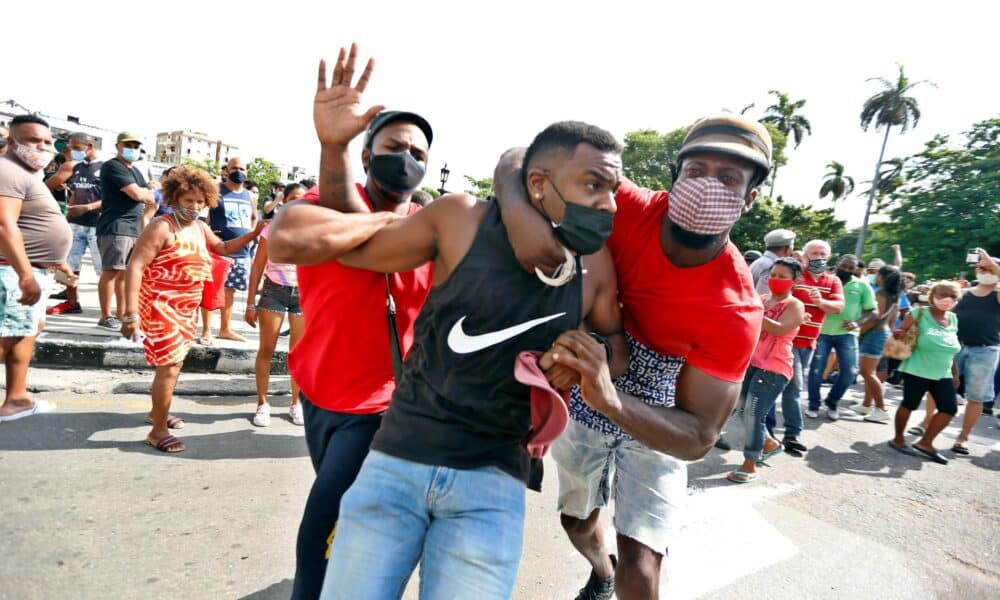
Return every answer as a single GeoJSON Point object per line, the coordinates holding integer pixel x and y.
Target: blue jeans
{"type": "Point", "coordinates": [465, 526]}
{"type": "Point", "coordinates": [791, 410]}
{"type": "Point", "coordinates": [83, 237]}
{"type": "Point", "coordinates": [760, 391]}
{"type": "Point", "coordinates": [846, 347]}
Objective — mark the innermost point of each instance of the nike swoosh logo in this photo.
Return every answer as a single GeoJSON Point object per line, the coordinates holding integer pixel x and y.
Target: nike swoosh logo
{"type": "Point", "coordinates": [462, 343]}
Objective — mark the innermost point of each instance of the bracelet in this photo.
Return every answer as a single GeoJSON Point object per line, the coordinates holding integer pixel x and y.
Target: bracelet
{"type": "Point", "coordinates": [604, 342]}
{"type": "Point", "coordinates": [251, 307]}
{"type": "Point", "coordinates": [129, 319]}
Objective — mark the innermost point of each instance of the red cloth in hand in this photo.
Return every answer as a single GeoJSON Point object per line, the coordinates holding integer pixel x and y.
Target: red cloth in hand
{"type": "Point", "coordinates": [549, 407]}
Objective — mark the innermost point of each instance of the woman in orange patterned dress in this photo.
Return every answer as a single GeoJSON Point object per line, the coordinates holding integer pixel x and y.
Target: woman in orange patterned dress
{"type": "Point", "coordinates": [163, 287]}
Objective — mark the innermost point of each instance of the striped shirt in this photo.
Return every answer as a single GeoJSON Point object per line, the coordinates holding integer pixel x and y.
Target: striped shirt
{"type": "Point", "coordinates": [830, 288]}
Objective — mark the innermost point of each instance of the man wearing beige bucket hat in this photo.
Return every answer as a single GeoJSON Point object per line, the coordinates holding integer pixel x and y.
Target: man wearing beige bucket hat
{"type": "Point", "coordinates": [692, 319]}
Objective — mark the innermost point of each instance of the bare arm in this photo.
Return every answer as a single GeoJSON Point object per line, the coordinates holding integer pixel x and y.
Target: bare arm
{"type": "Point", "coordinates": [531, 236]}
{"type": "Point", "coordinates": [147, 246]}
{"type": "Point", "coordinates": [793, 316]}
{"type": "Point", "coordinates": [138, 194]}
{"type": "Point", "coordinates": [61, 176]}
{"type": "Point", "coordinates": [306, 234]}
{"type": "Point", "coordinates": [270, 205]}
{"type": "Point", "coordinates": [12, 247]}
{"type": "Point", "coordinates": [225, 248]}
{"type": "Point", "coordinates": [256, 274]}
{"type": "Point", "coordinates": [831, 307]}
{"type": "Point", "coordinates": [897, 259]}
{"type": "Point", "coordinates": [336, 181]}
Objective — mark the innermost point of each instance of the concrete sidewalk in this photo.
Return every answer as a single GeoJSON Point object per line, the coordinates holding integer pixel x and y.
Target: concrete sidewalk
{"type": "Point", "coordinates": [76, 341]}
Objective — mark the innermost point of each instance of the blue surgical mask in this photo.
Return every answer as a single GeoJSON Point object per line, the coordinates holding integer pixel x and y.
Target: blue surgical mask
{"type": "Point", "coordinates": [78, 154]}
{"type": "Point", "coordinates": [130, 154]}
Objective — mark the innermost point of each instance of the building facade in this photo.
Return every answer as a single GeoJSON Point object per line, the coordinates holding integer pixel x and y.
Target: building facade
{"type": "Point", "coordinates": [172, 147]}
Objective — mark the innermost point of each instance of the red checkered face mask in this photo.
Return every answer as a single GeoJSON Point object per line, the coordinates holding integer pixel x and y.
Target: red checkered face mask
{"type": "Point", "coordinates": [704, 205]}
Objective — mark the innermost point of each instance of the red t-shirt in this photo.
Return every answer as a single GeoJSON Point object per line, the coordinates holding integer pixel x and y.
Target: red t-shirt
{"type": "Point", "coordinates": [343, 362]}
{"type": "Point", "coordinates": [708, 315]}
{"type": "Point", "coordinates": [829, 288]}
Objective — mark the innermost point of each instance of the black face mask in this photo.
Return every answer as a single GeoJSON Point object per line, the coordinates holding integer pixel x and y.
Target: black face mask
{"type": "Point", "coordinates": [817, 266]}
{"type": "Point", "coordinates": [3, 143]}
{"type": "Point", "coordinates": [399, 172]}
{"type": "Point", "coordinates": [583, 229]}
{"type": "Point", "coordinates": [237, 176]}
{"type": "Point", "coordinates": [844, 276]}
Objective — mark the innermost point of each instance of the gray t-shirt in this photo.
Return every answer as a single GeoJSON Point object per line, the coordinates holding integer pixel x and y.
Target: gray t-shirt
{"type": "Point", "coordinates": [46, 233]}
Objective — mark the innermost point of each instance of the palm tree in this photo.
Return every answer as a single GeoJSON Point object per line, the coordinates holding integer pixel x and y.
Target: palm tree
{"type": "Point", "coordinates": [890, 106]}
{"type": "Point", "coordinates": [890, 178]}
{"type": "Point", "coordinates": [783, 116]}
{"type": "Point", "coordinates": [835, 183]}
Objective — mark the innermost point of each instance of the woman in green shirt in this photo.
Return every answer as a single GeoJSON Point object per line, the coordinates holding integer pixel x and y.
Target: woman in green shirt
{"type": "Point", "coordinates": [930, 368]}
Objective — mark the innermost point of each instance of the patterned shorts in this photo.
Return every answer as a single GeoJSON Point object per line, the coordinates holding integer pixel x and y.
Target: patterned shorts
{"type": "Point", "coordinates": [16, 319]}
{"type": "Point", "coordinates": [239, 274]}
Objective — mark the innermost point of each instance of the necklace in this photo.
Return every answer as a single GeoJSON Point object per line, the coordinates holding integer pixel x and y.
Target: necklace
{"type": "Point", "coordinates": [563, 273]}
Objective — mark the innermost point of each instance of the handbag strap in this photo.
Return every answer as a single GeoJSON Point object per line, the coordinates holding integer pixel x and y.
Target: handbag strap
{"type": "Point", "coordinates": [394, 346]}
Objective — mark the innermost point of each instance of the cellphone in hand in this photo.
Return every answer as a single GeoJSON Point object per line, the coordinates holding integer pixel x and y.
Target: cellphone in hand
{"type": "Point", "coordinates": [972, 258]}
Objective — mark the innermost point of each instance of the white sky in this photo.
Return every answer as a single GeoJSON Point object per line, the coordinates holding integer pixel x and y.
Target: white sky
{"type": "Point", "coordinates": [489, 75]}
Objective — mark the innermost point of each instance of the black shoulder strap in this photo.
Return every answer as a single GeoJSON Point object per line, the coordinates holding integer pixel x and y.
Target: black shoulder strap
{"type": "Point", "coordinates": [394, 345]}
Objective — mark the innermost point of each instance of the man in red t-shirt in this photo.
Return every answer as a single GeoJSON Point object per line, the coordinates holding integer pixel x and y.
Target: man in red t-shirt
{"type": "Point", "coordinates": [823, 294]}
{"type": "Point", "coordinates": [692, 318]}
{"type": "Point", "coordinates": [343, 363]}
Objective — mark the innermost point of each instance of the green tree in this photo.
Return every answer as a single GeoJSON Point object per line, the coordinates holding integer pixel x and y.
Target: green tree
{"type": "Point", "coordinates": [767, 214]}
{"type": "Point", "coordinates": [263, 173]}
{"type": "Point", "coordinates": [890, 107]}
{"type": "Point", "coordinates": [649, 157]}
{"type": "Point", "coordinates": [207, 165]}
{"type": "Point", "coordinates": [481, 188]}
{"type": "Point", "coordinates": [835, 183]}
{"type": "Point", "coordinates": [433, 192]}
{"type": "Point", "coordinates": [890, 179]}
{"type": "Point", "coordinates": [951, 202]}
{"type": "Point", "coordinates": [784, 116]}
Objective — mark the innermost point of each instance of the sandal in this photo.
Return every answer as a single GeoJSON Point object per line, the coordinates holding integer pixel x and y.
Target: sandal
{"type": "Point", "coordinates": [205, 341]}
{"type": "Point", "coordinates": [169, 444]}
{"type": "Point", "coordinates": [904, 448]}
{"type": "Point", "coordinates": [777, 450]}
{"type": "Point", "coordinates": [960, 448]}
{"type": "Point", "coordinates": [741, 476]}
{"type": "Point", "coordinates": [932, 455]}
{"type": "Point", "coordinates": [172, 422]}
{"type": "Point", "coordinates": [917, 430]}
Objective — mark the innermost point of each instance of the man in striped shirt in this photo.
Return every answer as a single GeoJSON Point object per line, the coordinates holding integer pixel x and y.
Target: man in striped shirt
{"type": "Point", "coordinates": [823, 294]}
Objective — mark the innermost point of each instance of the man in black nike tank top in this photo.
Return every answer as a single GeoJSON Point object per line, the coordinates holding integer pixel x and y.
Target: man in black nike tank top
{"type": "Point", "coordinates": [444, 482]}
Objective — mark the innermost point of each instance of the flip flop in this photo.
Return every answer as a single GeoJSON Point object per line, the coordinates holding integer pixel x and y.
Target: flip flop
{"type": "Point", "coordinates": [169, 444]}
{"type": "Point", "coordinates": [934, 456]}
{"type": "Point", "coordinates": [917, 430]}
{"type": "Point", "coordinates": [960, 448]}
{"type": "Point", "coordinates": [39, 407]}
{"type": "Point", "coordinates": [172, 422]}
{"type": "Point", "coordinates": [905, 448]}
{"type": "Point", "coordinates": [778, 450]}
{"type": "Point", "coordinates": [205, 341]}
{"type": "Point", "coordinates": [741, 476]}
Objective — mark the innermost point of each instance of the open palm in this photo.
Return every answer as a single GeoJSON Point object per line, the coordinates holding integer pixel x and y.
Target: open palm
{"type": "Point", "coordinates": [337, 112]}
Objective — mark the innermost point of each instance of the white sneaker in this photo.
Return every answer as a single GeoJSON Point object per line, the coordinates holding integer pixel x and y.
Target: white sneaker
{"type": "Point", "coordinates": [812, 414]}
{"type": "Point", "coordinates": [960, 399]}
{"type": "Point", "coordinates": [263, 416]}
{"type": "Point", "coordinates": [295, 413]}
{"type": "Point", "coordinates": [833, 414]}
{"type": "Point", "coordinates": [877, 415]}
{"type": "Point", "coordinates": [861, 409]}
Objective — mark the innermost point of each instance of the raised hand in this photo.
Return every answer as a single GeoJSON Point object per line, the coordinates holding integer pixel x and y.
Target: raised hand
{"type": "Point", "coordinates": [337, 112]}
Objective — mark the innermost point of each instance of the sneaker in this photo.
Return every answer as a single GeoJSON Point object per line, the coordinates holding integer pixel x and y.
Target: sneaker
{"type": "Point", "coordinates": [833, 414]}
{"type": "Point", "coordinates": [812, 413]}
{"type": "Point", "coordinates": [861, 409]}
{"type": "Point", "coordinates": [285, 333]}
{"type": "Point", "coordinates": [877, 415]}
{"type": "Point", "coordinates": [723, 444]}
{"type": "Point", "coordinates": [110, 323]}
{"type": "Point", "coordinates": [295, 413]}
{"type": "Point", "coordinates": [263, 416]}
{"type": "Point", "coordinates": [597, 589]}
{"type": "Point", "coordinates": [960, 399]}
{"type": "Point", "coordinates": [64, 308]}
{"type": "Point", "coordinates": [60, 296]}
{"type": "Point", "coordinates": [793, 443]}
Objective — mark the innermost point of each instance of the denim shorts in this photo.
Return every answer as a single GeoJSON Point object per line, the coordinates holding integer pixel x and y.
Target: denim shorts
{"type": "Point", "coordinates": [279, 298]}
{"type": "Point", "coordinates": [872, 343]}
{"type": "Point", "coordinates": [648, 487]}
{"type": "Point", "coordinates": [19, 320]}
{"type": "Point", "coordinates": [977, 366]}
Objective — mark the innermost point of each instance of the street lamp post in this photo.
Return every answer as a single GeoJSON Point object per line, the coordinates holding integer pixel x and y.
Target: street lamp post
{"type": "Point", "coordinates": [444, 178]}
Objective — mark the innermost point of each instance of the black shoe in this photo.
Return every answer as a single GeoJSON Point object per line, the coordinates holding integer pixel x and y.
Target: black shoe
{"type": "Point", "coordinates": [988, 411]}
{"type": "Point", "coordinates": [722, 444]}
{"type": "Point", "coordinates": [792, 443]}
{"type": "Point", "coordinates": [285, 333]}
{"type": "Point", "coordinates": [597, 589]}
{"type": "Point", "coordinates": [60, 296]}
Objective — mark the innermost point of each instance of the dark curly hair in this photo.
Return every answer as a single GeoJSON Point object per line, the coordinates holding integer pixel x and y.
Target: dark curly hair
{"type": "Point", "coordinates": [184, 179]}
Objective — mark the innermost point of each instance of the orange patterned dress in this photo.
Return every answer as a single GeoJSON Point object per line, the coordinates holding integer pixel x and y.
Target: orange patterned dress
{"type": "Point", "coordinates": [171, 293]}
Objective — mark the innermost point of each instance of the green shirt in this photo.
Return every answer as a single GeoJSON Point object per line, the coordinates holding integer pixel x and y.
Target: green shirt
{"type": "Point", "coordinates": [858, 297]}
{"type": "Point", "coordinates": [936, 347]}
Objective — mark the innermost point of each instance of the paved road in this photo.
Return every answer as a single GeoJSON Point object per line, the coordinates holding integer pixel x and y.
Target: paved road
{"type": "Point", "coordinates": [90, 512]}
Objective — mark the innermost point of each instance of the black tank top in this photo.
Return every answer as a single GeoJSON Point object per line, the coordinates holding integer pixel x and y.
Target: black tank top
{"type": "Point", "coordinates": [457, 403]}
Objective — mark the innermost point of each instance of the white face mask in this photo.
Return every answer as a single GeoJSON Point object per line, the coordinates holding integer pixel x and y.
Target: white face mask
{"type": "Point", "coordinates": [945, 304]}
{"type": "Point", "coordinates": [33, 157]}
{"type": "Point", "coordinates": [988, 279]}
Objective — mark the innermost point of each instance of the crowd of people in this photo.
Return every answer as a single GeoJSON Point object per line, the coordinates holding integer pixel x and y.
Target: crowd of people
{"type": "Point", "coordinates": [439, 352]}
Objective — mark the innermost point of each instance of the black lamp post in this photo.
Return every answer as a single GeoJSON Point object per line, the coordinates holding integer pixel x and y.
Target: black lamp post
{"type": "Point", "coordinates": [444, 178]}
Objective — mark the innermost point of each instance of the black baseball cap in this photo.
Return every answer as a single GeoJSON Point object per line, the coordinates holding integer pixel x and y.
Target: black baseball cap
{"type": "Point", "coordinates": [389, 116]}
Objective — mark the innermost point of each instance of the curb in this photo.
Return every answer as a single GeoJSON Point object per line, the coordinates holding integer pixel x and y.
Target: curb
{"type": "Point", "coordinates": [63, 352]}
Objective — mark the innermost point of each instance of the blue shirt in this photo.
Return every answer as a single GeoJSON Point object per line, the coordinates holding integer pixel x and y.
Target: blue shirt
{"type": "Point", "coordinates": [233, 217]}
